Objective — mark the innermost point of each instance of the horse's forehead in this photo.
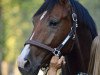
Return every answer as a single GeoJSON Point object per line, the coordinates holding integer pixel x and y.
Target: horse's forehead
{"type": "Point", "coordinates": [56, 12]}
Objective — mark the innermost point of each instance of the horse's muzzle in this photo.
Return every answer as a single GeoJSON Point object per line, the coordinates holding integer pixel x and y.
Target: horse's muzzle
{"type": "Point", "coordinates": [28, 71]}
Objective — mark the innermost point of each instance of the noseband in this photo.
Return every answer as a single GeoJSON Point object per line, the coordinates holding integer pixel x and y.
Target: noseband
{"type": "Point", "coordinates": [57, 51]}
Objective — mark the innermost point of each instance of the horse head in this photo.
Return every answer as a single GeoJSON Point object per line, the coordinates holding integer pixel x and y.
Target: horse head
{"type": "Point", "coordinates": [52, 23]}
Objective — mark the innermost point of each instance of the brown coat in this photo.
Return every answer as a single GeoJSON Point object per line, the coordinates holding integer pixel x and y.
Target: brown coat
{"type": "Point", "coordinates": [94, 66]}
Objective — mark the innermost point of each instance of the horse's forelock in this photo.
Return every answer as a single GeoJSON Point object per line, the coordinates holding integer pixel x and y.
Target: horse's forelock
{"type": "Point", "coordinates": [47, 6]}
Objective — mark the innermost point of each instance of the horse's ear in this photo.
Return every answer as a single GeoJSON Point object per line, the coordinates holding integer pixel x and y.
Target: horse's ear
{"type": "Point", "coordinates": [63, 1]}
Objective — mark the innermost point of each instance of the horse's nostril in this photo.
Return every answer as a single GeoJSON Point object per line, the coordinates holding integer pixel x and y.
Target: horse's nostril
{"type": "Point", "coordinates": [27, 65]}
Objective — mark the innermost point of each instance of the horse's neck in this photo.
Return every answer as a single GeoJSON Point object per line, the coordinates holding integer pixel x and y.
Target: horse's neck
{"type": "Point", "coordinates": [85, 41]}
{"type": "Point", "coordinates": [79, 57]}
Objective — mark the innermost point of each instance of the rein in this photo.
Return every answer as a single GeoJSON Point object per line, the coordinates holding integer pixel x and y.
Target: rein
{"type": "Point", "coordinates": [57, 51]}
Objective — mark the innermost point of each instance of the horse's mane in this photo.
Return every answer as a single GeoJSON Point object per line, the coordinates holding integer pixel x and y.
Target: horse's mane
{"type": "Point", "coordinates": [83, 14]}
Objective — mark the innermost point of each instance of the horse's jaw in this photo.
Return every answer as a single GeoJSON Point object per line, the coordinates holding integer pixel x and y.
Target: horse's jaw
{"type": "Point", "coordinates": [28, 72]}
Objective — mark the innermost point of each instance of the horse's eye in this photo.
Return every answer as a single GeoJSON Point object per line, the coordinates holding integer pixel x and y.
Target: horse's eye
{"type": "Point", "coordinates": [53, 23]}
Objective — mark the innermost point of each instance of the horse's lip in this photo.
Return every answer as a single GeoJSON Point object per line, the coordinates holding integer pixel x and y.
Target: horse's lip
{"type": "Point", "coordinates": [28, 72]}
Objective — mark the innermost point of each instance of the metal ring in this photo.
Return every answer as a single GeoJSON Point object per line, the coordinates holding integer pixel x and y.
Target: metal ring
{"type": "Point", "coordinates": [56, 52]}
{"type": "Point", "coordinates": [74, 16]}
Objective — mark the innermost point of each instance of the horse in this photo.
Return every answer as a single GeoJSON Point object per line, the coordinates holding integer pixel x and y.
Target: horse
{"type": "Point", "coordinates": [61, 27]}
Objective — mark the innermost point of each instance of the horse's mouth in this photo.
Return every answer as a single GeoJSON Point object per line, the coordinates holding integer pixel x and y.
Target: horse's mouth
{"type": "Point", "coordinates": [28, 72]}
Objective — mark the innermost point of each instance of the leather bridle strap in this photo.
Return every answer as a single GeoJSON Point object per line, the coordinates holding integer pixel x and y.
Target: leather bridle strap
{"type": "Point", "coordinates": [38, 44]}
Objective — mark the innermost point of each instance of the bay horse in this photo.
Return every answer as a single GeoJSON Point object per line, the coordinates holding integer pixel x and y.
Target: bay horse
{"type": "Point", "coordinates": [61, 27]}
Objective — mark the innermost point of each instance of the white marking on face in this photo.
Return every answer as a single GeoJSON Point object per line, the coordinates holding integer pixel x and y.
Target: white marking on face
{"type": "Point", "coordinates": [26, 50]}
{"type": "Point", "coordinates": [24, 53]}
{"type": "Point", "coordinates": [32, 35]}
{"type": "Point", "coordinates": [43, 15]}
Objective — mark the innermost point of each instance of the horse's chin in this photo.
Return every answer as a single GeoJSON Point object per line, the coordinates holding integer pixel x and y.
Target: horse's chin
{"type": "Point", "coordinates": [28, 72]}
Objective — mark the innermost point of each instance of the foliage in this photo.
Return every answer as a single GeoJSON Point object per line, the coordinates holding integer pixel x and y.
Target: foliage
{"type": "Point", "coordinates": [94, 9]}
{"type": "Point", "coordinates": [17, 25]}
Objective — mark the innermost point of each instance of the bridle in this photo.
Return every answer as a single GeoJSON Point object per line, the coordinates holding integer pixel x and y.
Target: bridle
{"type": "Point", "coordinates": [71, 35]}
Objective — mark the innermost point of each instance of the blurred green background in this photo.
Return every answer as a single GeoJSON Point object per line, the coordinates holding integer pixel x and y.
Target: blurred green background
{"type": "Point", "coordinates": [16, 26]}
